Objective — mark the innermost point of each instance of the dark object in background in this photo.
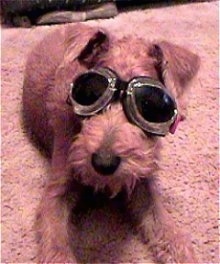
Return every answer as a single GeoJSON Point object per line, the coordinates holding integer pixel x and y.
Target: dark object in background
{"type": "Point", "coordinates": [25, 13]}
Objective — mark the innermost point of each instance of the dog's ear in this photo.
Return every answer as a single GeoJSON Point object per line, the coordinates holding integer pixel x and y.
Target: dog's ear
{"type": "Point", "coordinates": [176, 67]}
{"type": "Point", "coordinates": [85, 43]}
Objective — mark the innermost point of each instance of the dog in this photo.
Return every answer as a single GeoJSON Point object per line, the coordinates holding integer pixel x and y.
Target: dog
{"type": "Point", "coordinates": [105, 139]}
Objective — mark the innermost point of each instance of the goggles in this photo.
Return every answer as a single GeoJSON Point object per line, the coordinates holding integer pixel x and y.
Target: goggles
{"type": "Point", "coordinates": [146, 102]}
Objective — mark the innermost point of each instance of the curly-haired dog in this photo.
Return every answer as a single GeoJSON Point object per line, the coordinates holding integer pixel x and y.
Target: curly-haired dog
{"type": "Point", "coordinates": [103, 132]}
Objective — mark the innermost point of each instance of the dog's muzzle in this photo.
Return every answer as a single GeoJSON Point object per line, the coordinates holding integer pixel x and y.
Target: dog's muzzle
{"type": "Point", "coordinates": [146, 102]}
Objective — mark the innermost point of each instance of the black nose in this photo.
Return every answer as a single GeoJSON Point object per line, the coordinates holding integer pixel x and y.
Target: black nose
{"type": "Point", "coordinates": [105, 163]}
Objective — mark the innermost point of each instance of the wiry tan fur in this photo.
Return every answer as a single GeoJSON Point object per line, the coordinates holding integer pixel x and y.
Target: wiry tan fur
{"type": "Point", "coordinates": [71, 141]}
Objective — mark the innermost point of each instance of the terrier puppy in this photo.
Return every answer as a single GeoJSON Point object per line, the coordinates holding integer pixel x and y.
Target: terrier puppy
{"type": "Point", "coordinates": [103, 131]}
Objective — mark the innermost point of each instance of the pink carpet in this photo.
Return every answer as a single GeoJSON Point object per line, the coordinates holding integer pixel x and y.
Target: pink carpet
{"type": "Point", "coordinates": [189, 175]}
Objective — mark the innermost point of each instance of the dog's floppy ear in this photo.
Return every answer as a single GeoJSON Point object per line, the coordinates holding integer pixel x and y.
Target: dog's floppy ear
{"type": "Point", "coordinates": [85, 43]}
{"type": "Point", "coordinates": [176, 67]}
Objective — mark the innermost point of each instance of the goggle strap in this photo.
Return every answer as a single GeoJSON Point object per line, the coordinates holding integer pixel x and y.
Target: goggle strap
{"type": "Point", "coordinates": [68, 100]}
{"type": "Point", "coordinates": [174, 126]}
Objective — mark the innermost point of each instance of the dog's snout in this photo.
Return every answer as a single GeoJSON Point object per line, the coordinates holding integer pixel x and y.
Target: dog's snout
{"type": "Point", "coordinates": [105, 163]}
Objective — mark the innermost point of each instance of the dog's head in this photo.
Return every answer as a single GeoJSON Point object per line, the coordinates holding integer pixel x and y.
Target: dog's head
{"type": "Point", "coordinates": [110, 151]}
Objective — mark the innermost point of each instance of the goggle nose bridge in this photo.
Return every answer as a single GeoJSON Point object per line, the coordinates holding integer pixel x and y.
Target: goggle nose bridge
{"type": "Point", "coordinates": [121, 85]}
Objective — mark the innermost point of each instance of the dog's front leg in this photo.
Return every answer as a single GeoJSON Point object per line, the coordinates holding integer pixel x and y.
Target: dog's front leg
{"type": "Point", "coordinates": [54, 227]}
{"type": "Point", "coordinates": [157, 228]}
{"type": "Point", "coordinates": [59, 199]}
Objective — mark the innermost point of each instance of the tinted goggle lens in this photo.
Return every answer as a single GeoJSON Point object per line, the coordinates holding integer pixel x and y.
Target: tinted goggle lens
{"type": "Point", "coordinates": [154, 104]}
{"type": "Point", "coordinates": [88, 88]}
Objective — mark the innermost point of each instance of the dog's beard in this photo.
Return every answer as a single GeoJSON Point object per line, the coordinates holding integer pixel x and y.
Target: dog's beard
{"type": "Point", "coordinates": [130, 170]}
{"type": "Point", "coordinates": [136, 164]}
{"type": "Point", "coordinates": [138, 153]}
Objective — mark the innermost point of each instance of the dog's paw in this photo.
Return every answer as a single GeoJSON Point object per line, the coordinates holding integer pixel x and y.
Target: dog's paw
{"type": "Point", "coordinates": [172, 246]}
{"type": "Point", "coordinates": [57, 256]}
{"type": "Point", "coordinates": [168, 244]}
{"type": "Point", "coordinates": [177, 250]}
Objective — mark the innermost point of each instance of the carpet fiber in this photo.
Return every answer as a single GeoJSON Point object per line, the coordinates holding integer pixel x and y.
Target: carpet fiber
{"type": "Point", "coordinates": [189, 174]}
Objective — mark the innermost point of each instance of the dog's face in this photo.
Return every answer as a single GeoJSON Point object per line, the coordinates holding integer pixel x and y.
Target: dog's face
{"type": "Point", "coordinates": [110, 152]}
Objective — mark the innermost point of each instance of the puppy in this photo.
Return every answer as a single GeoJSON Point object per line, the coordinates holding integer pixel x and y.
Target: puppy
{"type": "Point", "coordinates": [99, 105]}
